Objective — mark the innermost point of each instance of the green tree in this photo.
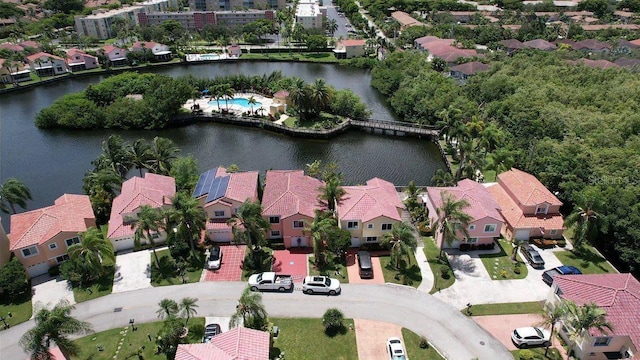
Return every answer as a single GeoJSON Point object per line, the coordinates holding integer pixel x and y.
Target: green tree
{"type": "Point", "coordinates": [584, 219]}
{"type": "Point", "coordinates": [585, 318]}
{"type": "Point", "coordinates": [187, 218]}
{"type": "Point", "coordinates": [331, 193]}
{"type": "Point", "coordinates": [451, 219]}
{"type": "Point", "coordinates": [401, 242]}
{"type": "Point", "coordinates": [170, 336]}
{"type": "Point", "coordinates": [91, 252]}
{"type": "Point", "coordinates": [148, 224]}
{"type": "Point", "coordinates": [168, 309]}
{"type": "Point", "coordinates": [13, 279]}
{"type": "Point", "coordinates": [140, 154]}
{"type": "Point", "coordinates": [188, 308]}
{"type": "Point", "coordinates": [442, 178]}
{"type": "Point", "coordinates": [551, 315]}
{"type": "Point", "coordinates": [316, 43]}
{"type": "Point", "coordinates": [55, 325]}
{"type": "Point", "coordinates": [250, 311]}
{"type": "Point", "coordinates": [114, 156]}
{"type": "Point", "coordinates": [162, 154]}
{"type": "Point", "coordinates": [320, 95]}
{"type": "Point", "coordinates": [13, 192]}
{"type": "Point", "coordinates": [252, 101]}
{"type": "Point", "coordinates": [249, 227]}
{"type": "Point", "coordinates": [101, 186]}
{"type": "Point", "coordinates": [333, 320]}
{"type": "Point", "coordinates": [186, 173]}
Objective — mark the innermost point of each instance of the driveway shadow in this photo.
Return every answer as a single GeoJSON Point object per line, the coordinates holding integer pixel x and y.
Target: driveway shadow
{"type": "Point", "coordinates": [465, 264]}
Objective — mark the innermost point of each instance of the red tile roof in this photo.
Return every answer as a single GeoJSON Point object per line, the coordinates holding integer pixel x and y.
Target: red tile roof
{"type": "Point", "coordinates": [68, 214]}
{"type": "Point", "coordinates": [290, 192]}
{"type": "Point", "coordinates": [109, 48]}
{"type": "Point", "coordinates": [282, 94]}
{"type": "Point", "coordinates": [153, 190]}
{"type": "Point", "coordinates": [596, 64]}
{"type": "Point", "coordinates": [353, 42]}
{"type": "Point", "coordinates": [514, 216]}
{"type": "Point", "coordinates": [236, 344]}
{"type": "Point", "coordinates": [591, 44]}
{"type": "Point", "coordinates": [617, 294]}
{"type": "Point", "coordinates": [377, 198]}
{"type": "Point", "coordinates": [243, 185]}
{"type": "Point", "coordinates": [39, 55]}
{"type": "Point", "coordinates": [481, 203]}
{"type": "Point", "coordinates": [12, 47]}
{"type": "Point", "coordinates": [526, 188]}
{"type": "Point", "coordinates": [31, 44]}
{"type": "Point", "coordinates": [470, 68]}
{"type": "Point", "coordinates": [539, 44]}
{"type": "Point", "coordinates": [147, 44]}
{"type": "Point", "coordinates": [512, 44]}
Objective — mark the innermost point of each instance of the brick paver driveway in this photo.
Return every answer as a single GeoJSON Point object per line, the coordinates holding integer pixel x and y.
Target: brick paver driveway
{"type": "Point", "coordinates": [352, 269]}
{"type": "Point", "coordinates": [231, 268]}
{"type": "Point", "coordinates": [371, 338]}
{"type": "Point", "coordinates": [292, 262]}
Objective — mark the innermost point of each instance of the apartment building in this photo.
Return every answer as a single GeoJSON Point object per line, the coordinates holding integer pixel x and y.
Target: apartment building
{"type": "Point", "coordinates": [196, 20]}
{"type": "Point", "coordinates": [217, 5]}
{"type": "Point", "coordinates": [309, 14]}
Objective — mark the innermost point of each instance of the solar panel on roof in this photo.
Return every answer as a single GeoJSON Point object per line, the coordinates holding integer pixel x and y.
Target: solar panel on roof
{"type": "Point", "coordinates": [218, 188]}
{"type": "Point", "coordinates": [204, 183]}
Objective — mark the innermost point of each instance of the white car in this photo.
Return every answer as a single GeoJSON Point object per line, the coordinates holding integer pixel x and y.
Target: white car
{"type": "Point", "coordinates": [530, 336]}
{"type": "Point", "coordinates": [320, 285]}
{"type": "Point", "coordinates": [215, 258]}
{"type": "Point", "coordinates": [395, 349]}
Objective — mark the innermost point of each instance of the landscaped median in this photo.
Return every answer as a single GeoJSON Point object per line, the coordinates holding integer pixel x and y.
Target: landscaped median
{"type": "Point", "coordinates": [500, 266]}
{"type": "Point", "coordinates": [166, 271]}
{"type": "Point", "coordinates": [442, 273]}
{"type": "Point", "coordinates": [587, 259]}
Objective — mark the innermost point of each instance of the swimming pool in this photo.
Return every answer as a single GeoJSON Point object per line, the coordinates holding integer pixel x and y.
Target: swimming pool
{"type": "Point", "coordinates": [236, 101]}
{"type": "Point", "coordinates": [210, 57]}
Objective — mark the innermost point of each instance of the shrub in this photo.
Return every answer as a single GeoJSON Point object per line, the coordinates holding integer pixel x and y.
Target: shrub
{"type": "Point", "coordinates": [333, 321]}
{"type": "Point", "coordinates": [526, 354]}
{"type": "Point", "coordinates": [423, 342]}
{"type": "Point", "coordinates": [54, 271]}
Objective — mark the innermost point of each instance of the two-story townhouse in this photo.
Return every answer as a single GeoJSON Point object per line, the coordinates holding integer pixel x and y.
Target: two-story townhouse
{"type": "Point", "coordinates": [115, 56]}
{"type": "Point", "coordinates": [221, 194]}
{"type": "Point", "coordinates": [151, 190]}
{"type": "Point", "coordinates": [529, 209]}
{"type": "Point", "coordinates": [619, 296]}
{"type": "Point", "coordinates": [289, 202]}
{"type": "Point", "coordinates": [40, 238]}
{"type": "Point", "coordinates": [5, 253]}
{"type": "Point", "coordinates": [160, 52]}
{"type": "Point", "coordinates": [369, 211]}
{"type": "Point", "coordinates": [78, 60]}
{"type": "Point", "coordinates": [45, 64]}
{"type": "Point", "coordinates": [486, 223]}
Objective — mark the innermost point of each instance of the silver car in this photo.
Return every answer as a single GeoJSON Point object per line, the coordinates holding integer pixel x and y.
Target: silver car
{"type": "Point", "coordinates": [320, 285]}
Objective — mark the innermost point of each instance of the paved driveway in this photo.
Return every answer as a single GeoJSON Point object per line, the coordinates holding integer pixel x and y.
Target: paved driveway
{"type": "Point", "coordinates": [132, 271]}
{"type": "Point", "coordinates": [354, 275]}
{"type": "Point", "coordinates": [371, 338]}
{"type": "Point", "coordinates": [231, 267]}
{"type": "Point", "coordinates": [294, 262]}
{"type": "Point", "coordinates": [48, 291]}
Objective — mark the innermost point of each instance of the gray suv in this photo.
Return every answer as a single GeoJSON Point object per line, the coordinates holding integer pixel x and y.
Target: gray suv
{"type": "Point", "coordinates": [532, 256]}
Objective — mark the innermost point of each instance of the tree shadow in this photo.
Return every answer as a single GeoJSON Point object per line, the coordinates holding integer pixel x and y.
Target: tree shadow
{"type": "Point", "coordinates": [164, 269]}
{"type": "Point", "coordinates": [588, 257]}
{"type": "Point", "coordinates": [335, 330]}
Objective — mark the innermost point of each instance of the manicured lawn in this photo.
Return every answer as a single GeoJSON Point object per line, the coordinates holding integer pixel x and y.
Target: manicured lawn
{"type": "Point", "coordinates": [500, 266]}
{"type": "Point", "coordinates": [304, 338]}
{"type": "Point", "coordinates": [533, 307]}
{"type": "Point", "coordinates": [267, 259]}
{"type": "Point", "coordinates": [330, 270]}
{"type": "Point", "coordinates": [167, 274]}
{"type": "Point", "coordinates": [101, 288]}
{"type": "Point", "coordinates": [294, 56]}
{"type": "Point", "coordinates": [20, 309]}
{"type": "Point", "coordinates": [442, 273]}
{"type": "Point", "coordinates": [133, 341]}
{"type": "Point", "coordinates": [410, 276]}
{"type": "Point", "coordinates": [536, 354]}
{"type": "Point", "coordinates": [587, 260]}
{"type": "Point", "coordinates": [414, 351]}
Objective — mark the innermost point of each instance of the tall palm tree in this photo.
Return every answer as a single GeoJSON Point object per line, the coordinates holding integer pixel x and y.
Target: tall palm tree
{"type": "Point", "coordinates": [13, 192]}
{"type": "Point", "coordinates": [586, 317]}
{"type": "Point", "coordinates": [227, 93]}
{"type": "Point", "coordinates": [55, 325]}
{"type": "Point", "coordinates": [401, 241]}
{"type": "Point", "coordinates": [320, 229]}
{"type": "Point", "coordinates": [451, 219]}
{"type": "Point", "coordinates": [319, 95]}
{"type": "Point", "coordinates": [148, 223]}
{"type": "Point", "coordinates": [115, 156]}
{"type": "Point", "coordinates": [501, 161]}
{"type": "Point", "coordinates": [250, 311]}
{"type": "Point", "coordinates": [331, 193]}
{"type": "Point", "coordinates": [442, 178]}
{"type": "Point", "coordinates": [163, 152]}
{"type": "Point", "coordinates": [299, 95]}
{"type": "Point", "coordinates": [332, 26]}
{"type": "Point", "coordinates": [188, 307]}
{"type": "Point", "coordinates": [252, 101]}
{"type": "Point", "coordinates": [249, 226]}
{"type": "Point", "coordinates": [584, 219]}
{"type": "Point", "coordinates": [140, 154]}
{"type": "Point", "coordinates": [92, 250]}
{"type": "Point", "coordinates": [187, 217]}
{"type": "Point", "coordinates": [551, 315]}
{"type": "Point", "coordinates": [168, 309]}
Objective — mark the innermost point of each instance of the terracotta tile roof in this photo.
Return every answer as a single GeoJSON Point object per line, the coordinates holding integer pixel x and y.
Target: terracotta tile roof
{"type": "Point", "coordinates": [377, 198]}
{"type": "Point", "coordinates": [595, 64]}
{"type": "Point", "coordinates": [513, 215]}
{"type": "Point", "coordinates": [617, 294]}
{"type": "Point", "coordinates": [31, 44]}
{"type": "Point", "coordinates": [481, 203]}
{"type": "Point", "coordinates": [109, 48]}
{"type": "Point", "coordinates": [539, 44]}
{"type": "Point", "coordinates": [290, 192]}
{"type": "Point", "coordinates": [217, 225]}
{"type": "Point", "coordinates": [526, 188]}
{"type": "Point", "coordinates": [68, 214]}
{"type": "Point", "coordinates": [512, 44]}
{"type": "Point", "coordinates": [591, 44]}
{"type": "Point", "coordinates": [243, 185]}
{"type": "Point", "coordinates": [282, 94]}
{"type": "Point", "coordinates": [236, 344]}
{"type": "Point", "coordinates": [628, 63]}
{"type": "Point", "coordinates": [353, 42]}
{"type": "Point", "coordinates": [404, 19]}
{"type": "Point", "coordinates": [470, 68]}
{"type": "Point", "coordinates": [12, 47]}
{"type": "Point", "coordinates": [147, 44]}
{"type": "Point", "coordinates": [39, 55]}
{"type": "Point", "coordinates": [153, 190]}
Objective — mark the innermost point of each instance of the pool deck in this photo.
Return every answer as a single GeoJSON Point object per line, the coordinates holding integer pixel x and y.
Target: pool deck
{"type": "Point", "coordinates": [208, 107]}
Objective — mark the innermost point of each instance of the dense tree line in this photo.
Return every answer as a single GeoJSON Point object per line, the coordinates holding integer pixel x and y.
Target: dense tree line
{"type": "Point", "coordinates": [576, 128]}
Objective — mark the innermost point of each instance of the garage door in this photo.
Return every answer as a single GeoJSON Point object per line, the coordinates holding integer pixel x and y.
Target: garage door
{"type": "Point", "coordinates": [355, 242]}
{"type": "Point", "coordinates": [220, 236]}
{"type": "Point", "coordinates": [38, 269]}
{"type": "Point", "coordinates": [522, 235]}
{"type": "Point", "coordinates": [124, 244]}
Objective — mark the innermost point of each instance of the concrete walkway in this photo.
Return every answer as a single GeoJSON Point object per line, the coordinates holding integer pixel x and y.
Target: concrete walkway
{"type": "Point", "coordinates": [48, 291]}
{"type": "Point", "coordinates": [454, 335]}
{"type": "Point", "coordinates": [134, 271]}
{"type": "Point", "coordinates": [425, 269]}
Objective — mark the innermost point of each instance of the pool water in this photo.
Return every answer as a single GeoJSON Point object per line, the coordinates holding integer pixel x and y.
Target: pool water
{"type": "Point", "coordinates": [236, 101]}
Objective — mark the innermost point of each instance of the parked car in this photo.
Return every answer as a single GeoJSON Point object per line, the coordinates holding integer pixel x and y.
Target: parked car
{"type": "Point", "coordinates": [395, 349]}
{"type": "Point", "coordinates": [532, 256]}
{"type": "Point", "coordinates": [364, 265]}
{"type": "Point", "coordinates": [320, 285]}
{"type": "Point", "coordinates": [530, 336]}
{"type": "Point", "coordinates": [210, 331]}
{"type": "Point", "coordinates": [548, 275]}
{"type": "Point", "coordinates": [215, 258]}
{"type": "Point", "coordinates": [270, 281]}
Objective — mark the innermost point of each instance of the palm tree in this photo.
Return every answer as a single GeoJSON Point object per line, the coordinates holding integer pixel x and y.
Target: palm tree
{"type": "Point", "coordinates": [250, 311]}
{"type": "Point", "coordinates": [218, 93]}
{"type": "Point", "coordinates": [332, 26]}
{"type": "Point", "coordinates": [92, 250]}
{"type": "Point", "coordinates": [451, 219]}
{"type": "Point", "coordinates": [140, 154]}
{"type": "Point", "coordinates": [114, 156]}
{"type": "Point", "coordinates": [148, 220]}
{"type": "Point", "coordinates": [491, 138]}
{"type": "Point", "coordinates": [252, 101]}
{"type": "Point", "coordinates": [227, 92]}
{"type": "Point", "coordinates": [319, 95]}
{"type": "Point", "coordinates": [501, 161]}
{"type": "Point", "coordinates": [586, 317]}
{"type": "Point", "coordinates": [168, 309]}
{"type": "Point", "coordinates": [331, 193]}
{"type": "Point", "coordinates": [55, 325]}
{"type": "Point", "coordinates": [187, 217]}
{"type": "Point", "coordinates": [188, 308]}
{"type": "Point", "coordinates": [163, 152]}
{"type": "Point", "coordinates": [401, 241]}
{"type": "Point", "coordinates": [299, 95]}
{"type": "Point", "coordinates": [13, 192]}
{"type": "Point", "coordinates": [442, 178]}
{"type": "Point", "coordinates": [584, 219]}
{"type": "Point", "coordinates": [249, 226]}
{"type": "Point", "coordinates": [320, 229]}
{"type": "Point", "coordinates": [551, 315]}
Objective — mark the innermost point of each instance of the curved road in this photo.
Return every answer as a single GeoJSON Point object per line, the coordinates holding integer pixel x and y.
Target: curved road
{"type": "Point", "coordinates": [453, 334]}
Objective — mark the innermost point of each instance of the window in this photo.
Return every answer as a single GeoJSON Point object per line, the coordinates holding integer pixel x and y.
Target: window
{"type": "Point", "coordinates": [274, 220]}
{"type": "Point", "coordinates": [490, 228]}
{"type": "Point", "coordinates": [235, 210]}
{"type": "Point", "coordinates": [30, 251]}
{"type": "Point", "coordinates": [53, 246]}
{"type": "Point", "coordinates": [275, 233]}
{"type": "Point", "coordinates": [372, 239]}
{"type": "Point", "coordinates": [553, 232]}
{"type": "Point", "coordinates": [298, 224]}
{"type": "Point", "coordinates": [352, 224]}
{"type": "Point", "coordinates": [62, 258]}
{"type": "Point", "coordinates": [218, 213]}
{"type": "Point", "coordinates": [472, 240]}
{"type": "Point", "coordinates": [73, 240]}
{"type": "Point", "coordinates": [457, 226]}
{"type": "Point", "coordinates": [369, 226]}
{"type": "Point", "coordinates": [541, 209]}
{"type": "Point", "coordinates": [602, 341]}
{"type": "Point", "coordinates": [386, 227]}
{"type": "Point", "coordinates": [472, 227]}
